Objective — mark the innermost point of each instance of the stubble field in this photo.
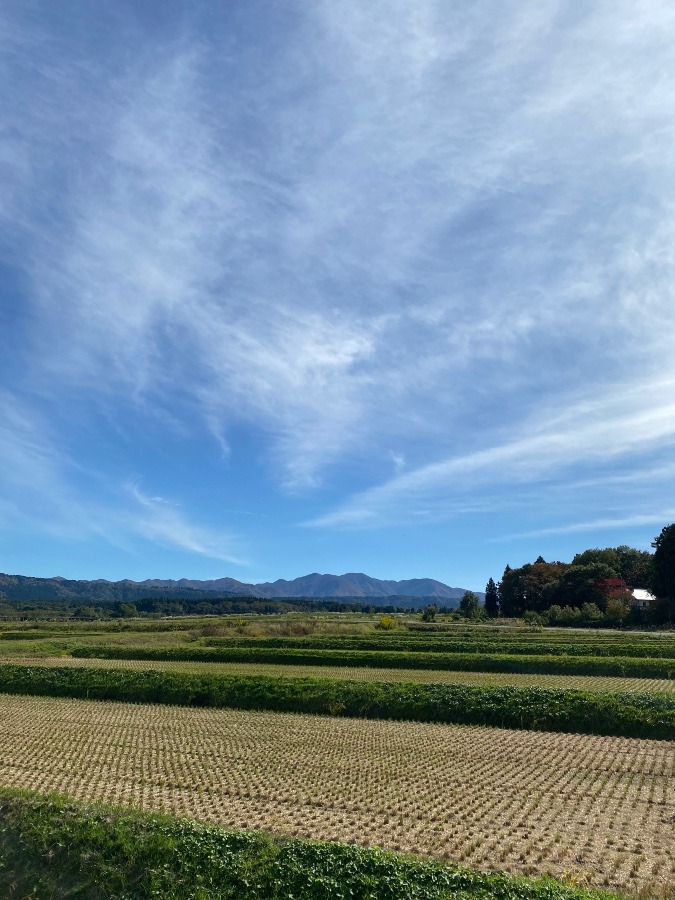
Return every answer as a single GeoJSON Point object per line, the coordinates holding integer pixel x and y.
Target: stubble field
{"type": "Point", "coordinates": [599, 810]}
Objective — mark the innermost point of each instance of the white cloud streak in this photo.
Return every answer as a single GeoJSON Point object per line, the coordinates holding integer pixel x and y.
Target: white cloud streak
{"type": "Point", "coordinates": [626, 423]}
{"type": "Point", "coordinates": [34, 474]}
{"type": "Point", "coordinates": [419, 228]}
{"type": "Point", "coordinates": [598, 525]}
{"type": "Point", "coordinates": [43, 491]}
{"type": "Point", "coordinates": [162, 521]}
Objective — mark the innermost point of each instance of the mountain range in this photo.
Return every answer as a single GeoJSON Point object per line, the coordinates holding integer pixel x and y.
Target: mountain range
{"type": "Point", "coordinates": [353, 585]}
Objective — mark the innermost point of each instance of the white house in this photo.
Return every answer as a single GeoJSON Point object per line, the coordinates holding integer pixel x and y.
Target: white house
{"type": "Point", "coordinates": [641, 598]}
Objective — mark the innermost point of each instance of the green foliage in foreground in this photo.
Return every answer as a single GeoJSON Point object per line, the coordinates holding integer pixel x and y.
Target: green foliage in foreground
{"type": "Point", "coordinates": [52, 848]}
{"type": "Point", "coordinates": [549, 664]}
{"type": "Point", "coordinates": [587, 712]}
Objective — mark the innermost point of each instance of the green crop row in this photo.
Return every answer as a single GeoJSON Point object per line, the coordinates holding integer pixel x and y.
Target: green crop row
{"type": "Point", "coordinates": [622, 714]}
{"type": "Point", "coordinates": [50, 847]}
{"type": "Point", "coordinates": [619, 666]}
{"type": "Point", "coordinates": [658, 649]}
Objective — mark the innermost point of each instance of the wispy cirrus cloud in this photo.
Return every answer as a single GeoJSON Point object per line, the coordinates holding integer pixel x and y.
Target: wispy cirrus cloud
{"type": "Point", "coordinates": [623, 425]}
{"type": "Point", "coordinates": [413, 227]}
{"type": "Point", "coordinates": [45, 491]}
{"type": "Point", "coordinates": [35, 474]}
{"type": "Point", "coordinates": [275, 286]}
{"type": "Point", "coordinates": [597, 525]}
{"type": "Point", "coordinates": [162, 520]}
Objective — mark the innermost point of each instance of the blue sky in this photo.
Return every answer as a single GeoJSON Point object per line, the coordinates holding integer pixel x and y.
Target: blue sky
{"type": "Point", "coordinates": [334, 286]}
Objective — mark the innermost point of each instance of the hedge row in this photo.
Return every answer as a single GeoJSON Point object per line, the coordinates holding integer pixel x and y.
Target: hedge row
{"type": "Point", "coordinates": [622, 714]}
{"type": "Point", "coordinates": [50, 847]}
{"type": "Point", "coordinates": [619, 666]}
{"type": "Point", "coordinates": [28, 635]}
{"type": "Point", "coordinates": [659, 649]}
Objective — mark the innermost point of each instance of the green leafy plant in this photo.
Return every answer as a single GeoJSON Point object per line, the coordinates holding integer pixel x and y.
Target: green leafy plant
{"type": "Point", "coordinates": [52, 847]}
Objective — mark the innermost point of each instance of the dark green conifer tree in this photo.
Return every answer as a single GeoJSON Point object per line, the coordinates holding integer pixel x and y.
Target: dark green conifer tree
{"type": "Point", "coordinates": [664, 563]}
{"type": "Point", "coordinates": [491, 599]}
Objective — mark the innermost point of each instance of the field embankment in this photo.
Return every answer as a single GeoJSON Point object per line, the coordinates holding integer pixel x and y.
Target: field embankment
{"type": "Point", "coordinates": [585, 712]}
{"type": "Point", "coordinates": [528, 644]}
{"type": "Point", "coordinates": [366, 673]}
{"type": "Point", "coordinates": [610, 666]}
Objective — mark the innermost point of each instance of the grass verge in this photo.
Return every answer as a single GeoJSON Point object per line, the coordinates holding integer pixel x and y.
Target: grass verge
{"type": "Point", "coordinates": [50, 847]}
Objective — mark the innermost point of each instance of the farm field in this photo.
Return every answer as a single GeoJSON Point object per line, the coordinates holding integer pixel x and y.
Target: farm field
{"type": "Point", "coordinates": [349, 644]}
{"type": "Point", "coordinates": [325, 632]}
{"type": "Point", "coordinates": [597, 809]}
{"type": "Point", "coordinates": [588, 809]}
{"type": "Point", "coordinates": [354, 673]}
{"type": "Point", "coordinates": [497, 642]}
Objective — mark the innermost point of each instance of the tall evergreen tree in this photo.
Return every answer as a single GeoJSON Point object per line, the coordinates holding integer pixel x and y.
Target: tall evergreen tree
{"type": "Point", "coordinates": [491, 599]}
{"type": "Point", "coordinates": [511, 599]}
{"type": "Point", "coordinates": [664, 563]}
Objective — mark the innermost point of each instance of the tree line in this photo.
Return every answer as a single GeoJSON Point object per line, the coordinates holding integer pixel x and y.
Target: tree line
{"type": "Point", "coordinates": [159, 607]}
{"type": "Point", "coordinates": [596, 588]}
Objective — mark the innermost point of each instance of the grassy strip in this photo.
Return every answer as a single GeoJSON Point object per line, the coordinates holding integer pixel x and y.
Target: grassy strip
{"type": "Point", "coordinates": [617, 666]}
{"type": "Point", "coordinates": [51, 847]}
{"type": "Point", "coordinates": [662, 649]}
{"type": "Point", "coordinates": [538, 709]}
{"type": "Point", "coordinates": [366, 673]}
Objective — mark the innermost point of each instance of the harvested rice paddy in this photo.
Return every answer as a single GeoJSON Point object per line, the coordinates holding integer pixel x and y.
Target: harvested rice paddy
{"type": "Point", "coordinates": [600, 810]}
